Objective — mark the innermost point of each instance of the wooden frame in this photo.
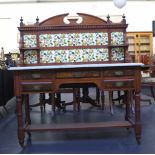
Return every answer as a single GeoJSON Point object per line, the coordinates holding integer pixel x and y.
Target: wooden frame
{"type": "Point", "coordinates": [45, 38]}
{"type": "Point", "coordinates": [49, 77]}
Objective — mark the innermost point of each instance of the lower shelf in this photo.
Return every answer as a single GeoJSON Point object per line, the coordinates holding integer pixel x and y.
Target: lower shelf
{"type": "Point", "coordinates": [78, 126]}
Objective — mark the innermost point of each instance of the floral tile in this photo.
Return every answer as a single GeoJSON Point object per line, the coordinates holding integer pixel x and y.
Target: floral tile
{"type": "Point", "coordinates": [73, 39]}
{"type": "Point", "coordinates": [30, 41]}
{"type": "Point", "coordinates": [117, 38]}
{"type": "Point", "coordinates": [61, 56]}
{"type": "Point", "coordinates": [102, 54]}
{"type": "Point", "coordinates": [117, 54]}
{"type": "Point", "coordinates": [47, 56]}
{"type": "Point", "coordinates": [74, 55]}
{"type": "Point", "coordinates": [30, 57]}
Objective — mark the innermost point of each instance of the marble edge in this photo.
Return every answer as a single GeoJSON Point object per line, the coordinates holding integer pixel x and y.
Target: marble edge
{"type": "Point", "coordinates": [75, 66]}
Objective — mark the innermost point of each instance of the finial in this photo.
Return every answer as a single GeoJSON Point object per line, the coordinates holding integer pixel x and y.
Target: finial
{"type": "Point", "coordinates": [123, 19]}
{"type": "Point", "coordinates": [21, 21]}
{"type": "Point", "coordinates": [108, 18]}
{"type": "Point", "coordinates": [37, 20]}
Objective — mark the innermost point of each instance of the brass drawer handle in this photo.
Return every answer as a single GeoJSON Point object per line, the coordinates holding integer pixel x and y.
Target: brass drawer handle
{"type": "Point", "coordinates": [36, 76]}
{"type": "Point", "coordinates": [118, 73]}
{"type": "Point", "coordinates": [36, 87]}
{"type": "Point", "coordinates": [77, 74]}
{"type": "Point", "coordinates": [119, 84]}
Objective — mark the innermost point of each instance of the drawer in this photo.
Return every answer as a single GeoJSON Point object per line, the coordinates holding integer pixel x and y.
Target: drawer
{"type": "Point", "coordinates": [30, 75]}
{"type": "Point", "coordinates": [114, 84]}
{"type": "Point", "coordinates": [36, 86]}
{"type": "Point", "coordinates": [118, 73]}
{"type": "Point", "coordinates": [77, 74]}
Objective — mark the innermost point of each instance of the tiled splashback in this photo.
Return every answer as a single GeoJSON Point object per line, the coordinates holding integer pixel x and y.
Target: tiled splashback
{"type": "Point", "coordinates": [73, 55]}
{"type": "Point", "coordinates": [73, 39]}
{"type": "Point", "coordinates": [86, 54]}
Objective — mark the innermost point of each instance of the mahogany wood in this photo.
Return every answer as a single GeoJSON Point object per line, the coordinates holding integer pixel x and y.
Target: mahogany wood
{"type": "Point", "coordinates": [100, 81]}
{"type": "Point", "coordinates": [78, 126]}
{"type": "Point", "coordinates": [48, 80]}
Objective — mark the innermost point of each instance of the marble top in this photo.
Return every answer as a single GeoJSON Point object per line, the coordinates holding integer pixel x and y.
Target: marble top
{"type": "Point", "coordinates": [68, 66]}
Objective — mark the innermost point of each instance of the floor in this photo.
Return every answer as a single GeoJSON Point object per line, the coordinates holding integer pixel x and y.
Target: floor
{"type": "Point", "coordinates": [109, 141]}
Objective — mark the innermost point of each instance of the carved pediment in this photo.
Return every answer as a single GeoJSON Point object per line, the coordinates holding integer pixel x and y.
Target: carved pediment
{"type": "Point", "coordinates": [80, 19]}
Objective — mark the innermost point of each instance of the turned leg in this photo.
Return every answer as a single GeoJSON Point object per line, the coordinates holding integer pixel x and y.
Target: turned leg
{"type": "Point", "coordinates": [27, 112]}
{"type": "Point", "coordinates": [27, 109]}
{"type": "Point", "coordinates": [21, 134]}
{"type": "Point", "coordinates": [127, 100]}
{"type": "Point", "coordinates": [52, 97]}
{"type": "Point", "coordinates": [74, 99]}
{"type": "Point", "coordinates": [132, 102]}
{"type": "Point", "coordinates": [97, 95]}
{"type": "Point", "coordinates": [86, 99]}
{"type": "Point", "coordinates": [78, 99]}
{"type": "Point", "coordinates": [111, 102]}
{"type": "Point", "coordinates": [42, 101]}
{"type": "Point", "coordinates": [58, 103]}
{"type": "Point", "coordinates": [102, 100]}
{"type": "Point", "coordinates": [119, 95]}
{"type": "Point", "coordinates": [137, 117]}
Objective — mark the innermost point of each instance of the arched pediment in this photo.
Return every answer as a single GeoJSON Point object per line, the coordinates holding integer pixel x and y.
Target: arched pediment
{"type": "Point", "coordinates": [80, 19]}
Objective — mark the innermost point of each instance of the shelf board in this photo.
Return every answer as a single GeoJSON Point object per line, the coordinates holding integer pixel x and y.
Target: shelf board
{"type": "Point", "coordinates": [77, 126]}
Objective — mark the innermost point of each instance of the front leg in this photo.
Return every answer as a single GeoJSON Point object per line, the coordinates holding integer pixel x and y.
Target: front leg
{"type": "Point", "coordinates": [127, 101]}
{"type": "Point", "coordinates": [27, 112]}
{"type": "Point", "coordinates": [137, 117]}
{"type": "Point", "coordinates": [21, 134]}
{"type": "Point", "coordinates": [111, 102]}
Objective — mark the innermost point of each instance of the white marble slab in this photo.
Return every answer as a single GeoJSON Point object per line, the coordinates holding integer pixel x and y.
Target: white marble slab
{"type": "Point", "coordinates": [77, 66]}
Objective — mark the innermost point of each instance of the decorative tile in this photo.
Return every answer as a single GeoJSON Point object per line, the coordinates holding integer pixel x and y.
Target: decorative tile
{"type": "Point", "coordinates": [102, 54]}
{"type": "Point", "coordinates": [74, 55]}
{"type": "Point", "coordinates": [117, 38]}
{"type": "Point", "coordinates": [30, 41]}
{"type": "Point", "coordinates": [45, 40]}
{"type": "Point", "coordinates": [30, 57]}
{"type": "Point", "coordinates": [117, 54]}
{"type": "Point", "coordinates": [73, 39]}
{"type": "Point", "coordinates": [101, 38]}
{"type": "Point", "coordinates": [47, 56]}
{"type": "Point", "coordinates": [88, 55]}
{"type": "Point", "coordinates": [61, 56]}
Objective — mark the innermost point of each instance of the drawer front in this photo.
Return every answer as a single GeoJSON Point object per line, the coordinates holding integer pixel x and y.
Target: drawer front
{"type": "Point", "coordinates": [36, 86]}
{"type": "Point", "coordinates": [118, 73]}
{"type": "Point", "coordinates": [30, 75]}
{"type": "Point", "coordinates": [108, 84]}
{"type": "Point", "coordinates": [77, 74]}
